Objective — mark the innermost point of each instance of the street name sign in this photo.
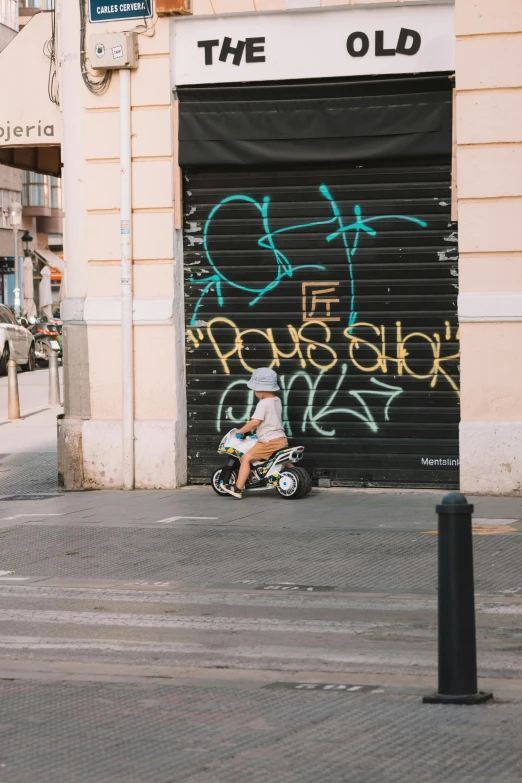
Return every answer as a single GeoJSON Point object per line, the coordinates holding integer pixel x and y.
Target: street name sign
{"type": "Point", "coordinates": [103, 11]}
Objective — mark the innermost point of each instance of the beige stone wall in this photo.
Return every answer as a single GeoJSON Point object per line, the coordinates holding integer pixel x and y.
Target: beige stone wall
{"type": "Point", "coordinates": [489, 167]}
{"type": "Point", "coordinates": [153, 231]}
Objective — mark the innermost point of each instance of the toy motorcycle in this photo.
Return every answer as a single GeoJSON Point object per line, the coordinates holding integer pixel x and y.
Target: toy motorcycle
{"type": "Point", "coordinates": [278, 471]}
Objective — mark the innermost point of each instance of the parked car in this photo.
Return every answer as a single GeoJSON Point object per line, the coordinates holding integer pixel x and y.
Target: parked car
{"type": "Point", "coordinates": [16, 342]}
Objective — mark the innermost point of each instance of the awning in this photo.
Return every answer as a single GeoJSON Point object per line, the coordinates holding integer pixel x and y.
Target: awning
{"type": "Point", "coordinates": [31, 124]}
{"type": "Point", "coordinates": [343, 122]}
{"type": "Point", "coordinates": [51, 260]}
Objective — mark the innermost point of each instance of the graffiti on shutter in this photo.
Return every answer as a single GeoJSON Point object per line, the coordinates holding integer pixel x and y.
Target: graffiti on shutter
{"type": "Point", "coordinates": [344, 282]}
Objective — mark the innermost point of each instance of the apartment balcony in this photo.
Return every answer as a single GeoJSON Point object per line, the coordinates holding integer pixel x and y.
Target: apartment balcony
{"type": "Point", "coordinates": [52, 224]}
{"type": "Point", "coordinates": [28, 8]}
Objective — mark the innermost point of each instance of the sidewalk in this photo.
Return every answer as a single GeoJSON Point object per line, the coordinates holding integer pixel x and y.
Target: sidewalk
{"type": "Point", "coordinates": [28, 446]}
{"type": "Point", "coordinates": [179, 637]}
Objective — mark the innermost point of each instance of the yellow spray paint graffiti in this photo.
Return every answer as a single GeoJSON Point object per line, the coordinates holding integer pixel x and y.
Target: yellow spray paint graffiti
{"type": "Point", "coordinates": [307, 349]}
{"type": "Point", "coordinates": [379, 357]}
{"type": "Point", "coordinates": [382, 350]}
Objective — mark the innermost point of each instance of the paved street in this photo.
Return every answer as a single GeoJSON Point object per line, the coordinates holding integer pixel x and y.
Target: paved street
{"type": "Point", "coordinates": [179, 636]}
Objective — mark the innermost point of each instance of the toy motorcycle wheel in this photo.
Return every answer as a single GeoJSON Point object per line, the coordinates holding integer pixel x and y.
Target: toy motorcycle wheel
{"type": "Point", "coordinates": [293, 484]}
{"type": "Point", "coordinates": [306, 479]}
{"type": "Point", "coordinates": [216, 486]}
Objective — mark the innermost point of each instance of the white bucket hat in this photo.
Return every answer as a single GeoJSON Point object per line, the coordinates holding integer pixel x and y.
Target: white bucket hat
{"type": "Point", "coordinates": [263, 379]}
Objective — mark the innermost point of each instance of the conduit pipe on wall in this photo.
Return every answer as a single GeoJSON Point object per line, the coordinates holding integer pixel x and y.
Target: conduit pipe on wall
{"type": "Point", "coordinates": [127, 355]}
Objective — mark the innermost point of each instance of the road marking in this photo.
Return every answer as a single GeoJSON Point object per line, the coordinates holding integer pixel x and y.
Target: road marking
{"type": "Point", "coordinates": [195, 596]}
{"type": "Point", "coordinates": [493, 528]}
{"type": "Point", "coordinates": [292, 587]}
{"type": "Point", "coordinates": [220, 654]}
{"type": "Point", "coordinates": [494, 521]}
{"type": "Point", "coordinates": [175, 519]}
{"type": "Point", "coordinates": [4, 577]}
{"type": "Point", "coordinates": [18, 516]}
{"type": "Point", "coordinates": [202, 623]}
{"type": "Point", "coordinates": [320, 686]}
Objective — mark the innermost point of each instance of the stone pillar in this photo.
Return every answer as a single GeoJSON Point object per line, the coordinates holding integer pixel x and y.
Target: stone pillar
{"type": "Point", "coordinates": [489, 154]}
{"type": "Point", "coordinates": [76, 356]}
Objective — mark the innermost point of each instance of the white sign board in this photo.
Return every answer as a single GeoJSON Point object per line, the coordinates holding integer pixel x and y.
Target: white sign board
{"type": "Point", "coordinates": [27, 116]}
{"type": "Point", "coordinates": [314, 44]}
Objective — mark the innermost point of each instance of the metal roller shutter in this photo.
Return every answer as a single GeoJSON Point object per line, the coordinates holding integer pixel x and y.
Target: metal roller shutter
{"type": "Point", "coordinates": [344, 280]}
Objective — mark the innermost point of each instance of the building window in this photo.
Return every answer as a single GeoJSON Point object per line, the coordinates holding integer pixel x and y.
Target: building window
{"type": "Point", "coordinates": [9, 13]}
{"type": "Point", "coordinates": [41, 190]}
{"type": "Point", "coordinates": [56, 193]}
{"type": "Point", "coordinates": [6, 199]}
{"type": "Point", "coordinates": [43, 5]}
{"type": "Point", "coordinates": [35, 189]}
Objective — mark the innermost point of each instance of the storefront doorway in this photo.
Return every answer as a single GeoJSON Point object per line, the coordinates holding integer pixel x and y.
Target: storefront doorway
{"type": "Point", "coordinates": [340, 273]}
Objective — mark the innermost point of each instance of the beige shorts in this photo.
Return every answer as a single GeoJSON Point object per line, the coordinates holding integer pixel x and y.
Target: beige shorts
{"type": "Point", "coordinates": [264, 450]}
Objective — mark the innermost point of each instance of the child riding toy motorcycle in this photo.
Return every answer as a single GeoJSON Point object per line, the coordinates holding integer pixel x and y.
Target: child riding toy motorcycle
{"type": "Point", "coordinates": [264, 458]}
{"type": "Point", "coordinates": [279, 471]}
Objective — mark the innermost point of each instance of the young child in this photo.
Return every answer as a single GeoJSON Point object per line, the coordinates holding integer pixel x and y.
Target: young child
{"type": "Point", "coordinates": [267, 420]}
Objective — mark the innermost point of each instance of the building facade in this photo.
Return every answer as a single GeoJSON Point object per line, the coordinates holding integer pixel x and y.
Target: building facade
{"type": "Point", "coordinates": [320, 187]}
{"type": "Point", "coordinates": [10, 180]}
{"type": "Point", "coordinates": [489, 161]}
{"type": "Point", "coordinates": [38, 192]}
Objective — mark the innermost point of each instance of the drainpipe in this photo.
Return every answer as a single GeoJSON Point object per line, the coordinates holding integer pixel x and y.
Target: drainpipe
{"type": "Point", "coordinates": [127, 369]}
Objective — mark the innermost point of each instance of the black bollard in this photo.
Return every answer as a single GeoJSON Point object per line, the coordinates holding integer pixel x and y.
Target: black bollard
{"type": "Point", "coordinates": [457, 641]}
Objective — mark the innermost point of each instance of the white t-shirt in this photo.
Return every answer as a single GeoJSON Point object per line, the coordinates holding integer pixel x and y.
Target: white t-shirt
{"type": "Point", "coordinates": [269, 411]}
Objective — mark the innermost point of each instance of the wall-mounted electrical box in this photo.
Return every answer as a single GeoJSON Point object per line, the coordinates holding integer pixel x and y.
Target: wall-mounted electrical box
{"type": "Point", "coordinates": [173, 7]}
{"type": "Point", "coordinates": [113, 50]}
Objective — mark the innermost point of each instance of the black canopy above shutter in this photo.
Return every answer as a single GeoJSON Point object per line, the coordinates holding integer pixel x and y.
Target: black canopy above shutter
{"type": "Point", "coordinates": [347, 121]}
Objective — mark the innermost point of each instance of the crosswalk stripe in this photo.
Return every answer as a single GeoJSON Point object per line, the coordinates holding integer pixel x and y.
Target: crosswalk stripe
{"type": "Point", "coordinates": [187, 623]}
{"type": "Point", "coordinates": [217, 654]}
{"type": "Point", "coordinates": [227, 598]}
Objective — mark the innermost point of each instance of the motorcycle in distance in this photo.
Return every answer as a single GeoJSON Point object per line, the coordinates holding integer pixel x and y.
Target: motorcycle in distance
{"type": "Point", "coordinates": [279, 470]}
{"type": "Point", "coordinates": [47, 338]}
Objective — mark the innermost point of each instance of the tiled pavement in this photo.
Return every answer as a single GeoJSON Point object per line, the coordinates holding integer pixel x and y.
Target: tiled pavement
{"type": "Point", "coordinates": [139, 632]}
{"type": "Point", "coordinates": [160, 733]}
{"type": "Point", "coordinates": [206, 556]}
